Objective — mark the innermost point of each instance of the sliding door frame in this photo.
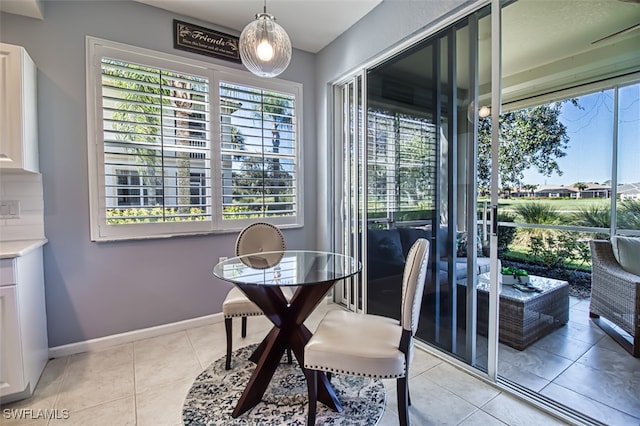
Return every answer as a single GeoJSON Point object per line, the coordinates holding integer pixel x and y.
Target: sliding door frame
{"type": "Point", "coordinates": [342, 204]}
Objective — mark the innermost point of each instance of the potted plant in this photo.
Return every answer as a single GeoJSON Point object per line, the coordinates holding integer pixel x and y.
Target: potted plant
{"type": "Point", "coordinates": [511, 275]}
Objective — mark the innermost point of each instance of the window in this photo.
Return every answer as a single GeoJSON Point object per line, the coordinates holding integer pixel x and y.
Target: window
{"type": "Point", "coordinates": [128, 188]}
{"type": "Point", "coordinates": [182, 148]}
{"type": "Point", "coordinates": [198, 193]}
{"type": "Point", "coordinates": [258, 135]}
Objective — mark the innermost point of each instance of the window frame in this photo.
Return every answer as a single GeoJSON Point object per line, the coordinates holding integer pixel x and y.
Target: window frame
{"type": "Point", "coordinates": [96, 49]}
{"type": "Point", "coordinates": [294, 89]}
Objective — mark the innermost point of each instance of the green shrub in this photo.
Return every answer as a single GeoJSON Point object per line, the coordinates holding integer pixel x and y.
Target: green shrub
{"type": "Point", "coordinates": [629, 214]}
{"type": "Point", "coordinates": [538, 212]}
{"type": "Point", "coordinates": [153, 215]}
{"type": "Point", "coordinates": [559, 249]}
{"type": "Point", "coordinates": [506, 234]}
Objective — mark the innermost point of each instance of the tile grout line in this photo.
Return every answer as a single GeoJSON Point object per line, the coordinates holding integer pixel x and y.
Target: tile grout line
{"type": "Point", "coordinates": [135, 389]}
{"type": "Point", "coordinates": [65, 373]}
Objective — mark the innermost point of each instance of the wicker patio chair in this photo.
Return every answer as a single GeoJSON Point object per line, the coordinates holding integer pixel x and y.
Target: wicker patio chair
{"type": "Point", "coordinates": [615, 295]}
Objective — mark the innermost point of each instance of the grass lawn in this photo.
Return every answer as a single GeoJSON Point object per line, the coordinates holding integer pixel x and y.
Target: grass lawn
{"type": "Point", "coordinates": [561, 204]}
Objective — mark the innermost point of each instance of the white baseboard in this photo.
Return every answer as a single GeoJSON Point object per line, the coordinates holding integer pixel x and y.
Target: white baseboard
{"type": "Point", "coordinates": [131, 336]}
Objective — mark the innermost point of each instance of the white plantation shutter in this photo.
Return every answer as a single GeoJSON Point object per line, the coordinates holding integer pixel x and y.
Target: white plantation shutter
{"type": "Point", "coordinates": [258, 131]}
{"type": "Point", "coordinates": [155, 122]}
{"type": "Point", "coordinates": [179, 147]}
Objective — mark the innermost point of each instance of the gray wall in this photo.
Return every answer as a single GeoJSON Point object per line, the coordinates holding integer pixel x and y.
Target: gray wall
{"type": "Point", "coordinates": [384, 28]}
{"type": "Point", "coordinates": [99, 289]}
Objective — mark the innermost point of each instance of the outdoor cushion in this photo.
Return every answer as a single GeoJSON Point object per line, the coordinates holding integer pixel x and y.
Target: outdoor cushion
{"type": "Point", "coordinates": [627, 252]}
{"type": "Point", "coordinates": [408, 236]}
{"type": "Point", "coordinates": [385, 245]}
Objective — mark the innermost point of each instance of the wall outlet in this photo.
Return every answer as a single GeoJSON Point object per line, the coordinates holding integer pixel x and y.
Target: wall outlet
{"type": "Point", "coordinates": [10, 209]}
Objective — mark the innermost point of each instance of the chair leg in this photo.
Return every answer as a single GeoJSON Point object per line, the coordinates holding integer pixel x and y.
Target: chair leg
{"type": "Point", "coordinates": [312, 385]}
{"type": "Point", "coordinates": [228, 329]}
{"type": "Point", "coordinates": [244, 326]}
{"type": "Point", "coordinates": [402, 387]}
{"type": "Point", "coordinates": [289, 359]}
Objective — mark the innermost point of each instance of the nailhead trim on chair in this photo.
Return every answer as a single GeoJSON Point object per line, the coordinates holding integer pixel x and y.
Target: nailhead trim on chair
{"type": "Point", "coordinates": [352, 373]}
{"type": "Point", "coordinates": [248, 314]}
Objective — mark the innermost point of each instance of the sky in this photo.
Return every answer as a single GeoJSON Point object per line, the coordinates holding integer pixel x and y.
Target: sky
{"type": "Point", "coordinates": [590, 131]}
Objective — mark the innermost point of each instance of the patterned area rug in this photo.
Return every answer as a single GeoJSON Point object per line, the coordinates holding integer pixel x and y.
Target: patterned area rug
{"type": "Point", "coordinates": [214, 394]}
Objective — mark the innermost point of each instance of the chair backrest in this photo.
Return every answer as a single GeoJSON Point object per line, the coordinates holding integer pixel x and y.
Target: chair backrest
{"type": "Point", "coordinates": [261, 237]}
{"type": "Point", "coordinates": [415, 273]}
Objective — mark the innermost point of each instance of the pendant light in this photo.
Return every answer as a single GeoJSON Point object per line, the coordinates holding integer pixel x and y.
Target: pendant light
{"type": "Point", "coordinates": [265, 48]}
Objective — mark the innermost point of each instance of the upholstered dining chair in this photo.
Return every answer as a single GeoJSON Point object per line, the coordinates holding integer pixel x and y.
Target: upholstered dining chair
{"type": "Point", "coordinates": [256, 238]}
{"type": "Point", "coordinates": [370, 345]}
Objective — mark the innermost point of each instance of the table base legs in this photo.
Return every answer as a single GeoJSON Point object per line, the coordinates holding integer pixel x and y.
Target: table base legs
{"type": "Point", "coordinates": [288, 331]}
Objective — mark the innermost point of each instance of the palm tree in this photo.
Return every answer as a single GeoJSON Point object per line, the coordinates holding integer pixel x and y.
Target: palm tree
{"type": "Point", "coordinates": [277, 109]}
{"type": "Point", "coordinates": [182, 102]}
{"type": "Point", "coordinates": [531, 187]}
{"type": "Point", "coordinates": [581, 186]}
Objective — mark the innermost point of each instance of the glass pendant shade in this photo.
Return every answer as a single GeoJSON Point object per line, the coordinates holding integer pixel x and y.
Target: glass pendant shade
{"type": "Point", "coordinates": [265, 48]}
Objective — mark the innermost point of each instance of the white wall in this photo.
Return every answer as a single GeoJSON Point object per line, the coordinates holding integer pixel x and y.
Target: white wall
{"type": "Point", "coordinates": [100, 289]}
{"type": "Point", "coordinates": [27, 190]}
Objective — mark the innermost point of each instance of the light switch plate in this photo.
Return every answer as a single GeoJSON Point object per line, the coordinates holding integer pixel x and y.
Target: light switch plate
{"type": "Point", "coordinates": [10, 209]}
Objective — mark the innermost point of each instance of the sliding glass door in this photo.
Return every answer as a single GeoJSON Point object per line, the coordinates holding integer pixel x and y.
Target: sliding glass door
{"type": "Point", "coordinates": [526, 105]}
{"type": "Point", "coordinates": [408, 171]}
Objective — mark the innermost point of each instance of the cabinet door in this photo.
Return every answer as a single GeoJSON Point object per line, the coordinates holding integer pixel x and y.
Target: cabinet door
{"type": "Point", "coordinates": [10, 106]}
{"type": "Point", "coordinates": [11, 367]}
{"type": "Point", "coordinates": [18, 116]}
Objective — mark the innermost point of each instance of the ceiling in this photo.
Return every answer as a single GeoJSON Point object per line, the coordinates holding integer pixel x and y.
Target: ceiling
{"type": "Point", "coordinates": [311, 24]}
{"type": "Point", "coordinates": [547, 46]}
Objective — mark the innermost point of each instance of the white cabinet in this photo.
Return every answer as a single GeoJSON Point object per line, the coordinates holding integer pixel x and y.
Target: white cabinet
{"type": "Point", "coordinates": [18, 110]}
{"type": "Point", "coordinates": [24, 346]}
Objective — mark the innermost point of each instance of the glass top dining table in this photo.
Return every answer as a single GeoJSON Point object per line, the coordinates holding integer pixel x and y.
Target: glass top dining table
{"type": "Point", "coordinates": [260, 276]}
{"type": "Point", "coordinates": [287, 268]}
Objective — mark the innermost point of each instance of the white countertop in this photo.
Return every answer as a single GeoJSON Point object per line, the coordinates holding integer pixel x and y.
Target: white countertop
{"type": "Point", "coordinates": [11, 249]}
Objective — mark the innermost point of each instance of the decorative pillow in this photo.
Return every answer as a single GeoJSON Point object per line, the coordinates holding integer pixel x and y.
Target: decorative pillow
{"type": "Point", "coordinates": [627, 252]}
{"type": "Point", "coordinates": [385, 245]}
{"type": "Point", "coordinates": [409, 236]}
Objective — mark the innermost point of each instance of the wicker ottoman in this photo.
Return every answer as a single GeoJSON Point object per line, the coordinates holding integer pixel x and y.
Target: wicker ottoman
{"type": "Point", "coordinates": [525, 316]}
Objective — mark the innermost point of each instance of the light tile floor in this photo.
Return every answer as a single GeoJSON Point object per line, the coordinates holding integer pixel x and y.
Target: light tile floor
{"type": "Point", "coordinates": [581, 367]}
{"type": "Point", "coordinates": [145, 383]}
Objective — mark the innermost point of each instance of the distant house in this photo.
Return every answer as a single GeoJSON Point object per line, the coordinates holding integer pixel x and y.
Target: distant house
{"type": "Point", "coordinates": [548, 191]}
{"type": "Point", "coordinates": [593, 190]}
{"type": "Point", "coordinates": [629, 191]}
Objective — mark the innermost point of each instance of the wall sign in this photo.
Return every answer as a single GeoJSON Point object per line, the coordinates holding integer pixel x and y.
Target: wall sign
{"type": "Point", "coordinates": [205, 41]}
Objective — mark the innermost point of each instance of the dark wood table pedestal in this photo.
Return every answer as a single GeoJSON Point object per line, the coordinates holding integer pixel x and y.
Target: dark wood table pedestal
{"type": "Point", "coordinates": [288, 331]}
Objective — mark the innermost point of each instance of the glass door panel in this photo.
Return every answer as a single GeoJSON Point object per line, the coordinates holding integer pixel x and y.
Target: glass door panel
{"type": "Point", "coordinates": [421, 183]}
{"type": "Point", "coordinates": [349, 238]}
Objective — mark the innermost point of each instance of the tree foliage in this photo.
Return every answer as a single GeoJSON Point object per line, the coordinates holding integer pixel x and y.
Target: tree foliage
{"type": "Point", "coordinates": [529, 138]}
{"type": "Point", "coordinates": [262, 182]}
